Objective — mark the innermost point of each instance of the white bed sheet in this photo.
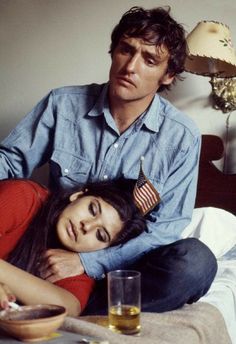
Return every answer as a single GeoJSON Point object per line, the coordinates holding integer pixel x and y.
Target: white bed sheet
{"type": "Point", "coordinates": [222, 294]}
{"type": "Point", "coordinates": [213, 226]}
{"type": "Point", "coordinates": [217, 229]}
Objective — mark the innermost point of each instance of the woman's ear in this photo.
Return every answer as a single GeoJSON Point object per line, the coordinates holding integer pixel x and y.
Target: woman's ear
{"type": "Point", "coordinates": [75, 195]}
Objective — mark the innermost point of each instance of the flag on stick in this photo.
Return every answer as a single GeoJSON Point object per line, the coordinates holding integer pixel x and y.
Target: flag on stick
{"type": "Point", "coordinates": [145, 195]}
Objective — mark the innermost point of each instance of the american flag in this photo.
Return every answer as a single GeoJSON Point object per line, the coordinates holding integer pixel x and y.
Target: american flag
{"type": "Point", "coordinates": [146, 196]}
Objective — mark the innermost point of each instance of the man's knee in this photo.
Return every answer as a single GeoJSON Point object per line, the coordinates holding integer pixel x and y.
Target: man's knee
{"type": "Point", "coordinates": [200, 263]}
{"type": "Point", "coordinates": [186, 265]}
{"type": "Point", "coordinates": [190, 251]}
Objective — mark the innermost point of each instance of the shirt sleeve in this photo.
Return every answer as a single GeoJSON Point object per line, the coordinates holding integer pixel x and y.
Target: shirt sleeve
{"type": "Point", "coordinates": [80, 286]}
{"type": "Point", "coordinates": [165, 224]}
{"type": "Point", "coordinates": [28, 145]}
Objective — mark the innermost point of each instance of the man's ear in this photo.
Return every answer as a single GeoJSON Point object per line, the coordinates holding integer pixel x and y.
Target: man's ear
{"type": "Point", "coordinates": [75, 195]}
{"type": "Point", "coordinates": [167, 79]}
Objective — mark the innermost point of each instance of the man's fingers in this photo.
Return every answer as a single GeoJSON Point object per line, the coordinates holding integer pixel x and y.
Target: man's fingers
{"type": "Point", "coordinates": [48, 263]}
{"type": "Point", "coordinates": [44, 274]}
{"type": "Point", "coordinates": [57, 264]}
{"type": "Point", "coordinates": [49, 269]}
{"type": "Point", "coordinates": [53, 278]}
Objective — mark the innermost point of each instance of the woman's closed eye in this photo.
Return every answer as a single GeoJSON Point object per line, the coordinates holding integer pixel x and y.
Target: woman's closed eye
{"type": "Point", "coordinates": [93, 208]}
{"type": "Point", "coordinates": [102, 235]}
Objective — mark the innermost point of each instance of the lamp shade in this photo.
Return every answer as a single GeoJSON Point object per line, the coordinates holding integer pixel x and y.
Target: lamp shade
{"type": "Point", "coordinates": [210, 51]}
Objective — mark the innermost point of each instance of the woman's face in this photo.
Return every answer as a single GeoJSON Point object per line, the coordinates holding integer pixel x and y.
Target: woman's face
{"type": "Point", "coordinates": [88, 223]}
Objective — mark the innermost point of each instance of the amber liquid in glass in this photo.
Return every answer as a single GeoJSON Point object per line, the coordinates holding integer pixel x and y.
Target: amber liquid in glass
{"type": "Point", "coordinates": [124, 319]}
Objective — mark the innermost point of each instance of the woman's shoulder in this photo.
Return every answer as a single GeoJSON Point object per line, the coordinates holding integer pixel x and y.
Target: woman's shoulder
{"type": "Point", "coordinates": [19, 202]}
{"type": "Point", "coordinates": [23, 188]}
{"type": "Point", "coordinates": [23, 184]}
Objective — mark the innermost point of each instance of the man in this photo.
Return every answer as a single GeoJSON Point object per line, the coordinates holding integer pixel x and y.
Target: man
{"type": "Point", "coordinates": [102, 131]}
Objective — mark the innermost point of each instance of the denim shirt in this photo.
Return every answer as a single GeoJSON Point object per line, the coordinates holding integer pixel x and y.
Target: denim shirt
{"type": "Point", "coordinates": [73, 130]}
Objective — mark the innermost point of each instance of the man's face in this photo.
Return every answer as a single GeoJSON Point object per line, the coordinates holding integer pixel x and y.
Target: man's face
{"type": "Point", "coordinates": [137, 70]}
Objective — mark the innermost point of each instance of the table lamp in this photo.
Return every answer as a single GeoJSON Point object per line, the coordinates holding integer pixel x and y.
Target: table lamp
{"type": "Point", "coordinates": [210, 53]}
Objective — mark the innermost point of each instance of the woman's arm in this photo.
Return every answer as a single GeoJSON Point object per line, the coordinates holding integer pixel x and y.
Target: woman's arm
{"type": "Point", "coordinates": [30, 289]}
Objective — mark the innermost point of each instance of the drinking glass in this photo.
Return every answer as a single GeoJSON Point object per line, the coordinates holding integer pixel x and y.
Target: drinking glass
{"type": "Point", "coordinates": [124, 301]}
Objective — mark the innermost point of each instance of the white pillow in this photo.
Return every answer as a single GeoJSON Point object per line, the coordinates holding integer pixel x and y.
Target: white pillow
{"type": "Point", "coordinates": [214, 227]}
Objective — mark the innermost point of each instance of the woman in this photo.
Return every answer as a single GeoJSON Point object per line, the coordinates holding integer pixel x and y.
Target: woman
{"type": "Point", "coordinates": [33, 220]}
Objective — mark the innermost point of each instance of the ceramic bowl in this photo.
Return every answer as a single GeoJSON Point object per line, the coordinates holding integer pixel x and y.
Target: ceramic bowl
{"type": "Point", "coordinates": [32, 323]}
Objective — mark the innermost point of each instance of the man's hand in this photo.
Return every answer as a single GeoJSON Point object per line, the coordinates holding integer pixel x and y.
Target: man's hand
{"type": "Point", "coordinates": [57, 264]}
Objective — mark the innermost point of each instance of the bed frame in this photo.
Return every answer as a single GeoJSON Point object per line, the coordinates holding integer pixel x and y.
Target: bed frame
{"type": "Point", "coordinates": [215, 188]}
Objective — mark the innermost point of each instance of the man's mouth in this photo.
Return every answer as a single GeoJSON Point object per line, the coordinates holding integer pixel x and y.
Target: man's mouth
{"type": "Point", "coordinates": [125, 80]}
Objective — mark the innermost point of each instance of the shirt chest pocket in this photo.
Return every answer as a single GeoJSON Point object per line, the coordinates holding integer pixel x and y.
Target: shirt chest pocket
{"type": "Point", "coordinates": [69, 169]}
{"type": "Point", "coordinates": [132, 174]}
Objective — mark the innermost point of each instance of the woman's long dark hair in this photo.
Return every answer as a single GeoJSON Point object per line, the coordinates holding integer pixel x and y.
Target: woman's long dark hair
{"type": "Point", "coordinates": [41, 234]}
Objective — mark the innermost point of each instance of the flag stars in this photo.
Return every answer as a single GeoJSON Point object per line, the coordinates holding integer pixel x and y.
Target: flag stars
{"type": "Point", "coordinates": [145, 195]}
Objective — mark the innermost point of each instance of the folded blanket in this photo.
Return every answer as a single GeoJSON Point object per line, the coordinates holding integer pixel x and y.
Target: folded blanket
{"type": "Point", "coordinates": [199, 323]}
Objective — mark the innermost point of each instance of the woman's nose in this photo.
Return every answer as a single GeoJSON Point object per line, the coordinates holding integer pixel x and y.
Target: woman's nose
{"type": "Point", "coordinates": [88, 225]}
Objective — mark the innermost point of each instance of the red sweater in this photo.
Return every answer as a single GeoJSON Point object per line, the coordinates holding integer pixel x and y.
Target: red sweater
{"type": "Point", "coordinates": [19, 202]}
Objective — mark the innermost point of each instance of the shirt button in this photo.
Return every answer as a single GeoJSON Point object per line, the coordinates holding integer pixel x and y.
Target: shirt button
{"type": "Point", "coordinates": [116, 145]}
{"type": "Point", "coordinates": [103, 276]}
{"type": "Point", "coordinates": [66, 170]}
{"type": "Point", "coordinates": [105, 177]}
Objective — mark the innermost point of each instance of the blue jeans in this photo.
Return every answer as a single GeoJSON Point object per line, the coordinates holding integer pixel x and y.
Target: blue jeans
{"type": "Point", "coordinates": [171, 276]}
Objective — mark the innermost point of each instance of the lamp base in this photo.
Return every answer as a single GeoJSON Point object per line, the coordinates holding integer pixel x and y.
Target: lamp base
{"type": "Point", "coordinates": [223, 94]}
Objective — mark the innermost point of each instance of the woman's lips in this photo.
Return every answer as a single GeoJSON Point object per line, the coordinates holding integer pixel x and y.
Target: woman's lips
{"type": "Point", "coordinates": [72, 231]}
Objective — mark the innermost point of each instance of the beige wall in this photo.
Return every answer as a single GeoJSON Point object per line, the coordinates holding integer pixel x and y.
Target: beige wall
{"type": "Point", "coordinates": [51, 43]}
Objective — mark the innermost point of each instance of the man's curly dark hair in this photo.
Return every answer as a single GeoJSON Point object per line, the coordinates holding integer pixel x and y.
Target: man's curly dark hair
{"type": "Point", "coordinates": [156, 27]}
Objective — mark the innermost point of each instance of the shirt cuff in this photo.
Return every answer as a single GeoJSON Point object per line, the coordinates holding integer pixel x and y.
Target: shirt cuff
{"type": "Point", "coordinates": [96, 264]}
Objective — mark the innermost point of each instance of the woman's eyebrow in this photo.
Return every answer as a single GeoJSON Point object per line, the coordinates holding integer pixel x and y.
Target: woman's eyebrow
{"type": "Point", "coordinates": [100, 212]}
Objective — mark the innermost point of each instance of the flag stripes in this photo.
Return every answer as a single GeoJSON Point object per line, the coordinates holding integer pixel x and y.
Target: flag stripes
{"type": "Point", "coordinates": [145, 195]}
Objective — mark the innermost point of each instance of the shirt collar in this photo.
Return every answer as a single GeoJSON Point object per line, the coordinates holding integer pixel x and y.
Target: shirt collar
{"type": "Point", "coordinates": [101, 107]}
{"type": "Point", "coordinates": [150, 118]}
{"type": "Point", "coordinates": [101, 104]}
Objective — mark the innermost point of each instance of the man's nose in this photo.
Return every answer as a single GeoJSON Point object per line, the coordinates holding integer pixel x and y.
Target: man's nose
{"type": "Point", "coordinates": [132, 63]}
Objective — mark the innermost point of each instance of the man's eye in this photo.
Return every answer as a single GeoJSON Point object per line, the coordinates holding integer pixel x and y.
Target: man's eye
{"type": "Point", "coordinates": [101, 235]}
{"type": "Point", "coordinates": [151, 62]}
{"type": "Point", "coordinates": [92, 208]}
{"type": "Point", "coordinates": [124, 50]}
